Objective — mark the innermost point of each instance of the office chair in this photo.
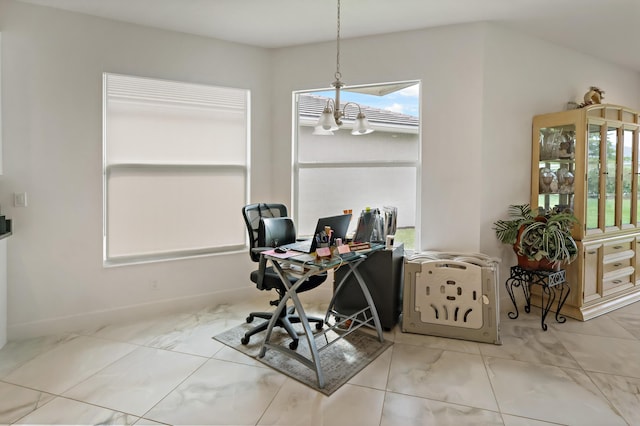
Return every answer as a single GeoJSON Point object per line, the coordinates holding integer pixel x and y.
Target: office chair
{"type": "Point", "coordinates": [269, 226]}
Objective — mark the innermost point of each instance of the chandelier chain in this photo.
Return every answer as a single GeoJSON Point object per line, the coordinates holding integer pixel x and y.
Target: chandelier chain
{"type": "Point", "coordinates": [331, 118]}
{"type": "Point", "coordinates": [338, 74]}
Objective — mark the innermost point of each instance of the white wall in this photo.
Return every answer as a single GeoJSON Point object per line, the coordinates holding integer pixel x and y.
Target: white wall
{"type": "Point", "coordinates": [523, 77]}
{"type": "Point", "coordinates": [481, 85]}
{"type": "Point", "coordinates": [1, 162]}
{"type": "Point", "coordinates": [3, 292]}
{"type": "Point", "coordinates": [52, 65]}
{"type": "Point", "coordinates": [448, 61]}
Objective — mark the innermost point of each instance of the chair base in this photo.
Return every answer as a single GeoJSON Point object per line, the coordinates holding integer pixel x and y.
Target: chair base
{"type": "Point", "coordinates": [286, 321]}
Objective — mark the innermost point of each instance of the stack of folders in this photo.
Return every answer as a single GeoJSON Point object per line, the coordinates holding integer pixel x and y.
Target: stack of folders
{"type": "Point", "coordinates": [390, 220]}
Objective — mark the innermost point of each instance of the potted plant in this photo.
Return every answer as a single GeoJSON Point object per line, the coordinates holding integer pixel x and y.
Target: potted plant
{"type": "Point", "coordinates": [541, 239]}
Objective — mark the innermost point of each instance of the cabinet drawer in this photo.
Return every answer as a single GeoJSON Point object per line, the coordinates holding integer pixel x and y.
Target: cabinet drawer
{"type": "Point", "coordinates": [616, 284]}
{"type": "Point", "coordinates": [616, 265]}
{"type": "Point", "coordinates": [617, 279]}
{"type": "Point", "coordinates": [617, 247]}
{"type": "Point", "coordinates": [607, 286]}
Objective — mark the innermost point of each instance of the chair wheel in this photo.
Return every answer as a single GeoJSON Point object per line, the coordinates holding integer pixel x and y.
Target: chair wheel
{"type": "Point", "coordinates": [244, 340]}
{"type": "Point", "coordinates": [249, 319]}
{"type": "Point", "coordinates": [319, 325]}
{"type": "Point", "coordinates": [293, 345]}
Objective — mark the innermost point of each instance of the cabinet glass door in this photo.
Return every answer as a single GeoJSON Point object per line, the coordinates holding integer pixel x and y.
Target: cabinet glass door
{"type": "Point", "coordinates": [627, 176]}
{"type": "Point", "coordinates": [636, 145]}
{"type": "Point", "coordinates": [611, 181]}
{"type": "Point", "coordinates": [557, 167]}
{"type": "Point", "coordinates": [593, 176]}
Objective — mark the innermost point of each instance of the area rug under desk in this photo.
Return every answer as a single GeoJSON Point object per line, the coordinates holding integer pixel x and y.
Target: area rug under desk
{"type": "Point", "coordinates": [340, 361]}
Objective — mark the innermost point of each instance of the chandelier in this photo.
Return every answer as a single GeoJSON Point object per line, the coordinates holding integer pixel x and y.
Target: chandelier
{"type": "Point", "coordinates": [331, 118]}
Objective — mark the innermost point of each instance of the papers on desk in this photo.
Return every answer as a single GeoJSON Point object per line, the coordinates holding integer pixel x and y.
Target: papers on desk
{"type": "Point", "coordinates": [311, 258]}
{"type": "Point", "coordinates": [297, 256]}
{"type": "Point", "coordinates": [287, 254]}
{"type": "Point", "coordinates": [305, 257]}
{"type": "Point", "coordinates": [350, 255]}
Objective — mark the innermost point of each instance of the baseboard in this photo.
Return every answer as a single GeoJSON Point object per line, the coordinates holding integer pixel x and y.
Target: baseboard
{"type": "Point", "coordinates": [92, 320]}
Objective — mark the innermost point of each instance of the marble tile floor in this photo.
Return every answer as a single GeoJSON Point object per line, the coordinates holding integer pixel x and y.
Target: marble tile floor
{"type": "Point", "coordinates": [170, 371]}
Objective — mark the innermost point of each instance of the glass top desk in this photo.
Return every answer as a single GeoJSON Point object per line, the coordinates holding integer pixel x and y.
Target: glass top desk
{"type": "Point", "coordinates": [337, 325]}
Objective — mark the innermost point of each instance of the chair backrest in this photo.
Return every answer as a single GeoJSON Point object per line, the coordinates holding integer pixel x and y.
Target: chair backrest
{"type": "Point", "coordinates": [252, 214]}
{"type": "Point", "coordinates": [276, 231]}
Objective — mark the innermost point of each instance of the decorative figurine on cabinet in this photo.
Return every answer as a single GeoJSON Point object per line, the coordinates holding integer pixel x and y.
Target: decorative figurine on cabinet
{"type": "Point", "coordinates": [595, 95]}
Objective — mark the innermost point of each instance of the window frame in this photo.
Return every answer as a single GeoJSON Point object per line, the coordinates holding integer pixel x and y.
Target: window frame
{"type": "Point", "coordinates": [298, 165]}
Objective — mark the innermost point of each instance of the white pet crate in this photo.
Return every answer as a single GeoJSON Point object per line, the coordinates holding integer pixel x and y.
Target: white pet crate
{"type": "Point", "coordinates": [454, 295]}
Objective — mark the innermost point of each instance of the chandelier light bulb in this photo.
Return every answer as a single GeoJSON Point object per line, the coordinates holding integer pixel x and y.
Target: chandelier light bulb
{"type": "Point", "coordinates": [361, 126]}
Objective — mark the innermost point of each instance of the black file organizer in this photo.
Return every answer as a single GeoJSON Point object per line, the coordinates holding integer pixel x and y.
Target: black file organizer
{"type": "Point", "coordinates": [383, 273]}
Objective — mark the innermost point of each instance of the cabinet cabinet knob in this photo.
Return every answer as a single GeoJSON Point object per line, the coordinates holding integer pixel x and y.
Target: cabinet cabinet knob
{"type": "Point", "coordinates": [617, 264]}
{"type": "Point", "coordinates": [616, 281]}
{"type": "Point", "coordinates": [617, 247]}
{"type": "Point", "coordinates": [594, 252]}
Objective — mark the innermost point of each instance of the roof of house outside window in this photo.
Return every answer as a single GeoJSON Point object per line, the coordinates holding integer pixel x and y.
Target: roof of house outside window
{"type": "Point", "coordinates": [311, 106]}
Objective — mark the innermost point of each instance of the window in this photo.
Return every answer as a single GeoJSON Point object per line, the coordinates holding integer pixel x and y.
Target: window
{"type": "Point", "coordinates": [334, 173]}
{"type": "Point", "coordinates": [175, 165]}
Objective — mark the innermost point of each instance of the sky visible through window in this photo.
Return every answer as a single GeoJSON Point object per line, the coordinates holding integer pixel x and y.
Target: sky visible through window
{"type": "Point", "coordinates": [403, 101]}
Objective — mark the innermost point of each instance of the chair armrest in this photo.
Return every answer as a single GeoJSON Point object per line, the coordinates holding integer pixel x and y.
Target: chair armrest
{"type": "Point", "coordinates": [262, 265]}
{"type": "Point", "coordinates": [261, 271]}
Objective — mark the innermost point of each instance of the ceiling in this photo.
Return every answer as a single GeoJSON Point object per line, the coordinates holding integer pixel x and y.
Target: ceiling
{"type": "Point", "coordinates": [608, 29]}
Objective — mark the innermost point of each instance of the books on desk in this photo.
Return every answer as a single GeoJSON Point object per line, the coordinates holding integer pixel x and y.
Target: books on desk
{"type": "Point", "coordinates": [353, 250]}
{"type": "Point", "coordinates": [279, 255]}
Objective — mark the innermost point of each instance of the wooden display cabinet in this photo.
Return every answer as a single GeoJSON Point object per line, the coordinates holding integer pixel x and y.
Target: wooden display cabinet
{"type": "Point", "coordinates": [587, 160]}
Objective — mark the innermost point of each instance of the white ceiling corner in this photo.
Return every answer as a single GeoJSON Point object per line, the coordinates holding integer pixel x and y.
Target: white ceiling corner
{"type": "Point", "coordinates": [608, 29]}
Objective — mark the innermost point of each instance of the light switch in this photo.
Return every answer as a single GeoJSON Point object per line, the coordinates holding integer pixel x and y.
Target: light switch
{"type": "Point", "coordinates": [20, 199]}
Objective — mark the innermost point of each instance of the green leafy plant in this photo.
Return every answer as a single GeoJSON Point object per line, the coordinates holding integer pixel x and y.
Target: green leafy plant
{"type": "Point", "coordinates": [539, 235]}
{"type": "Point", "coordinates": [507, 230]}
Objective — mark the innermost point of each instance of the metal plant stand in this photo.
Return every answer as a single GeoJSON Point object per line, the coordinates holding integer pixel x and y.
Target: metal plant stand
{"type": "Point", "coordinates": [551, 282]}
